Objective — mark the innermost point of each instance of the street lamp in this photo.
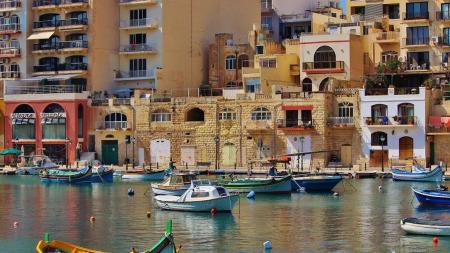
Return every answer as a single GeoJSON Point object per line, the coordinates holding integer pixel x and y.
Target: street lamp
{"type": "Point", "coordinates": [382, 139]}
{"type": "Point", "coordinates": [133, 141]}
{"type": "Point", "coordinates": [216, 140]}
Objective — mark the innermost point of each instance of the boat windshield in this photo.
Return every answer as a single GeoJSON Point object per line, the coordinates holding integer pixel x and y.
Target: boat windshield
{"type": "Point", "coordinates": [199, 194]}
{"type": "Point", "coordinates": [200, 182]}
{"type": "Point", "coordinates": [221, 191]}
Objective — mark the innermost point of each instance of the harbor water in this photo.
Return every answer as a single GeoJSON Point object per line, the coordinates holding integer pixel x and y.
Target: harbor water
{"type": "Point", "coordinates": [360, 219]}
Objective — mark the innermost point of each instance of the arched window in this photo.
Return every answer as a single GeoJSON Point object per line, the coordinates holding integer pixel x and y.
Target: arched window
{"type": "Point", "coordinates": [243, 61]}
{"type": "Point", "coordinates": [47, 20]}
{"type": "Point", "coordinates": [230, 62]}
{"type": "Point", "coordinates": [261, 113]}
{"type": "Point", "coordinates": [47, 64]}
{"type": "Point", "coordinates": [307, 85]}
{"type": "Point", "coordinates": [324, 58]}
{"type": "Point", "coordinates": [53, 121]}
{"type": "Point", "coordinates": [378, 139]}
{"type": "Point", "coordinates": [116, 120]}
{"type": "Point", "coordinates": [405, 112]}
{"type": "Point", "coordinates": [76, 62]}
{"type": "Point", "coordinates": [346, 110]}
{"type": "Point", "coordinates": [195, 114]}
{"type": "Point", "coordinates": [161, 116]}
{"type": "Point", "coordinates": [325, 84]}
{"type": "Point", "coordinates": [80, 121]}
{"type": "Point", "coordinates": [227, 114]}
{"type": "Point", "coordinates": [23, 122]}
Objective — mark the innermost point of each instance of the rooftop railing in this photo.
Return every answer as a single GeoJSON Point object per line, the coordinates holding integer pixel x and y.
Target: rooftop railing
{"type": "Point", "coordinates": [43, 89]}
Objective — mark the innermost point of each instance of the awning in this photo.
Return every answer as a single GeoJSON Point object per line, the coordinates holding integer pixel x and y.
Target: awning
{"type": "Point", "coordinates": [40, 36]}
{"type": "Point", "coordinates": [296, 107]}
{"type": "Point", "coordinates": [50, 78]}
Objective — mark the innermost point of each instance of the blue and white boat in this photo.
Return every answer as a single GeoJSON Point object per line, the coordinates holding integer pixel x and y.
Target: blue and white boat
{"type": "Point", "coordinates": [102, 175]}
{"type": "Point", "coordinates": [425, 227]}
{"type": "Point", "coordinates": [147, 175]}
{"type": "Point", "coordinates": [315, 183]}
{"type": "Point", "coordinates": [66, 176]}
{"type": "Point", "coordinates": [432, 197]}
{"type": "Point", "coordinates": [427, 176]}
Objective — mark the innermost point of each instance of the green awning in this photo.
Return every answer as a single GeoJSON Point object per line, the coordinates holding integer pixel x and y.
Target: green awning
{"type": "Point", "coordinates": [10, 151]}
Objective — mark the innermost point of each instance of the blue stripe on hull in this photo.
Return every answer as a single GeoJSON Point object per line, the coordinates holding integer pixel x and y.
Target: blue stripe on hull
{"type": "Point", "coordinates": [105, 177]}
{"type": "Point", "coordinates": [431, 200]}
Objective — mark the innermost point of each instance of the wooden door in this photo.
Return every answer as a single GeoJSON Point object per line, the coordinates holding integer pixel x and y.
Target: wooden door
{"type": "Point", "coordinates": [160, 151]}
{"type": "Point", "coordinates": [346, 155]}
{"type": "Point", "coordinates": [406, 148]}
{"type": "Point", "coordinates": [229, 154]}
{"type": "Point", "coordinates": [376, 156]}
{"type": "Point", "coordinates": [188, 155]}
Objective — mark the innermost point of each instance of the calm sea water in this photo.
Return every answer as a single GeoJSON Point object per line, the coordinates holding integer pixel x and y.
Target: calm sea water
{"type": "Point", "coordinates": [361, 219]}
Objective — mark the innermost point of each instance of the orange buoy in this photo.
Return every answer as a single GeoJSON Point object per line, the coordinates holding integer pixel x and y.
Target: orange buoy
{"type": "Point", "coordinates": [92, 219]}
{"type": "Point", "coordinates": [213, 211]}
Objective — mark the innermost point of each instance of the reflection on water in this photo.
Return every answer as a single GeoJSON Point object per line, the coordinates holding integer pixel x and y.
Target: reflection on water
{"type": "Point", "coordinates": [359, 220]}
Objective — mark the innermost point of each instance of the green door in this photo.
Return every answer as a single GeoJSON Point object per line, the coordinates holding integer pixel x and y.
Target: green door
{"type": "Point", "coordinates": [110, 152]}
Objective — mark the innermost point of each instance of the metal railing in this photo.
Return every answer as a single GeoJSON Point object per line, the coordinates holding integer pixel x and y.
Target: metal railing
{"type": "Point", "coordinates": [416, 41]}
{"type": "Point", "coordinates": [137, 22]}
{"type": "Point", "coordinates": [121, 101]}
{"type": "Point", "coordinates": [60, 45]}
{"type": "Point", "coordinates": [114, 125]}
{"type": "Point", "coordinates": [45, 68]}
{"type": "Point", "coordinates": [10, 27]}
{"type": "Point", "coordinates": [294, 95]}
{"type": "Point", "coordinates": [443, 15]}
{"type": "Point", "coordinates": [75, 1]}
{"type": "Point", "coordinates": [59, 23]}
{"type": "Point", "coordinates": [45, 24]}
{"type": "Point", "coordinates": [377, 121]}
{"type": "Point", "coordinates": [10, 74]}
{"type": "Point", "coordinates": [323, 65]}
{"type": "Point", "coordinates": [415, 15]}
{"type": "Point", "coordinates": [137, 48]}
{"type": "Point", "coordinates": [60, 67]}
{"type": "Point", "coordinates": [406, 91]}
{"type": "Point", "coordinates": [341, 120]}
{"type": "Point", "coordinates": [136, 74]}
{"type": "Point", "coordinates": [73, 21]}
{"type": "Point", "coordinates": [39, 3]}
{"type": "Point", "coordinates": [405, 120]}
{"type": "Point", "coordinates": [10, 4]}
{"type": "Point", "coordinates": [283, 123]}
{"type": "Point", "coordinates": [9, 51]}
{"type": "Point", "coordinates": [387, 36]}
{"type": "Point", "coordinates": [43, 89]}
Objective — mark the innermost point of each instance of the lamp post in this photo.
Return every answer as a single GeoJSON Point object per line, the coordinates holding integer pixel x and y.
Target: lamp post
{"type": "Point", "coordinates": [133, 141]}
{"type": "Point", "coordinates": [382, 139]}
{"type": "Point", "coordinates": [217, 140]}
{"type": "Point", "coordinates": [127, 141]}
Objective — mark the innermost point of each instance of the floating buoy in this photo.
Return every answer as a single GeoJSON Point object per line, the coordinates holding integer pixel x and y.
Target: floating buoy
{"type": "Point", "coordinates": [16, 224]}
{"type": "Point", "coordinates": [92, 219]}
{"type": "Point", "coordinates": [336, 194]}
{"type": "Point", "coordinates": [380, 188]}
{"type": "Point", "coordinates": [251, 195]}
{"type": "Point", "coordinates": [267, 245]}
{"type": "Point", "coordinates": [435, 240]}
{"type": "Point", "coordinates": [213, 211]}
{"type": "Point", "coordinates": [149, 214]}
{"type": "Point", "coordinates": [130, 191]}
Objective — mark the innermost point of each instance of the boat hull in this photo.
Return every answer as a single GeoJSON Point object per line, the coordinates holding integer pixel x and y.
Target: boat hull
{"type": "Point", "coordinates": [416, 226]}
{"type": "Point", "coordinates": [80, 178]}
{"type": "Point", "coordinates": [432, 197]}
{"type": "Point", "coordinates": [103, 177]}
{"type": "Point", "coordinates": [222, 204]}
{"type": "Point", "coordinates": [153, 176]}
{"type": "Point", "coordinates": [431, 176]}
{"type": "Point", "coordinates": [315, 183]}
{"type": "Point", "coordinates": [273, 185]}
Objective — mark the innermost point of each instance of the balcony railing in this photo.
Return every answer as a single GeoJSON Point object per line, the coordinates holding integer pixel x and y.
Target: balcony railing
{"type": "Point", "coordinates": [60, 67]}
{"type": "Point", "coordinates": [415, 15]}
{"type": "Point", "coordinates": [45, 24]}
{"type": "Point", "coordinates": [387, 36]}
{"type": "Point", "coordinates": [405, 120]}
{"type": "Point", "coordinates": [10, 74]}
{"type": "Point", "coordinates": [135, 1]}
{"type": "Point", "coordinates": [45, 68]}
{"type": "Point", "coordinates": [9, 28]}
{"type": "Point", "coordinates": [377, 121]}
{"type": "Point", "coordinates": [40, 3]}
{"type": "Point", "coordinates": [114, 125]}
{"type": "Point", "coordinates": [306, 124]}
{"type": "Point", "coordinates": [10, 4]}
{"type": "Point", "coordinates": [323, 65]}
{"type": "Point", "coordinates": [74, 1]}
{"type": "Point", "coordinates": [137, 22]}
{"type": "Point", "coordinates": [60, 45]}
{"type": "Point", "coordinates": [43, 89]}
{"type": "Point", "coordinates": [121, 101]}
{"type": "Point", "coordinates": [59, 23]}
{"type": "Point", "coordinates": [341, 121]}
{"type": "Point", "coordinates": [443, 15]}
{"type": "Point", "coordinates": [416, 41]}
{"type": "Point", "coordinates": [9, 52]}
{"type": "Point", "coordinates": [418, 66]}
{"type": "Point", "coordinates": [136, 74]}
{"type": "Point", "coordinates": [74, 21]}
{"type": "Point", "coordinates": [137, 48]}
{"type": "Point", "coordinates": [294, 95]}
{"type": "Point", "coordinates": [407, 91]}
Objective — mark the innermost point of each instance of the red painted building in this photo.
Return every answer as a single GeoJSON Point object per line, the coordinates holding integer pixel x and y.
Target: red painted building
{"type": "Point", "coordinates": [47, 124]}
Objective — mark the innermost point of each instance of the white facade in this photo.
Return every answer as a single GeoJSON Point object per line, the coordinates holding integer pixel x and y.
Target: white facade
{"type": "Point", "coordinates": [387, 124]}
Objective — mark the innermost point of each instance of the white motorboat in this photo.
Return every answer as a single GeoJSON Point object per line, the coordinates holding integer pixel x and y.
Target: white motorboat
{"type": "Point", "coordinates": [425, 227]}
{"type": "Point", "coordinates": [200, 197]}
{"type": "Point", "coordinates": [175, 185]}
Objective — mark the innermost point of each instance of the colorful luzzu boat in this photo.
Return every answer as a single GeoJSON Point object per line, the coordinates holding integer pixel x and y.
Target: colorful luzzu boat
{"type": "Point", "coordinates": [66, 176]}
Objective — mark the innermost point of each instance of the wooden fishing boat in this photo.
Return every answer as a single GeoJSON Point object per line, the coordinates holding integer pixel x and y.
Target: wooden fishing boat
{"type": "Point", "coordinates": [432, 197]}
{"type": "Point", "coordinates": [200, 197]}
{"type": "Point", "coordinates": [47, 246]}
{"type": "Point", "coordinates": [175, 185]}
{"type": "Point", "coordinates": [316, 183]}
{"type": "Point", "coordinates": [65, 176]}
{"type": "Point", "coordinates": [166, 244]}
{"type": "Point", "coordinates": [102, 175]}
{"type": "Point", "coordinates": [144, 175]}
{"type": "Point", "coordinates": [427, 176]}
{"type": "Point", "coordinates": [425, 227]}
{"type": "Point", "coordinates": [260, 185]}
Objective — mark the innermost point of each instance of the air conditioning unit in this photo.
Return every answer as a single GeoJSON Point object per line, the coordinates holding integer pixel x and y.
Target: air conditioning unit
{"type": "Point", "coordinates": [435, 39]}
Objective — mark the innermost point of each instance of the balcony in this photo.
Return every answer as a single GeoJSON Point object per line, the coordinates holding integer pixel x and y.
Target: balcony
{"type": "Point", "coordinates": [323, 67]}
{"type": "Point", "coordinates": [404, 120]}
{"type": "Point", "coordinates": [46, 4]}
{"type": "Point", "coordinates": [136, 2]}
{"type": "Point", "coordinates": [45, 25]}
{"type": "Point", "coordinates": [62, 68]}
{"type": "Point", "coordinates": [392, 91]}
{"type": "Point", "coordinates": [341, 121]}
{"type": "Point", "coordinates": [137, 49]}
{"type": "Point", "coordinates": [295, 125]}
{"type": "Point", "coordinates": [63, 45]}
{"type": "Point", "coordinates": [42, 89]}
{"type": "Point", "coordinates": [113, 125]}
{"type": "Point", "coordinates": [420, 41]}
{"type": "Point", "coordinates": [385, 121]}
{"type": "Point", "coordinates": [443, 16]}
{"type": "Point", "coordinates": [74, 3]}
{"type": "Point", "coordinates": [377, 121]}
{"type": "Point", "coordinates": [10, 75]}
{"type": "Point", "coordinates": [45, 69]}
{"type": "Point", "coordinates": [10, 29]}
{"type": "Point", "coordinates": [135, 75]}
{"type": "Point", "coordinates": [415, 16]}
{"type": "Point", "coordinates": [418, 67]}
{"type": "Point", "coordinates": [138, 23]}
{"type": "Point", "coordinates": [73, 24]}
{"type": "Point", "coordinates": [9, 52]}
{"type": "Point", "coordinates": [387, 37]}
{"type": "Point", "coordinates": [12, 5]}
{"type": "Point", "coordinates": [259, 126]}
